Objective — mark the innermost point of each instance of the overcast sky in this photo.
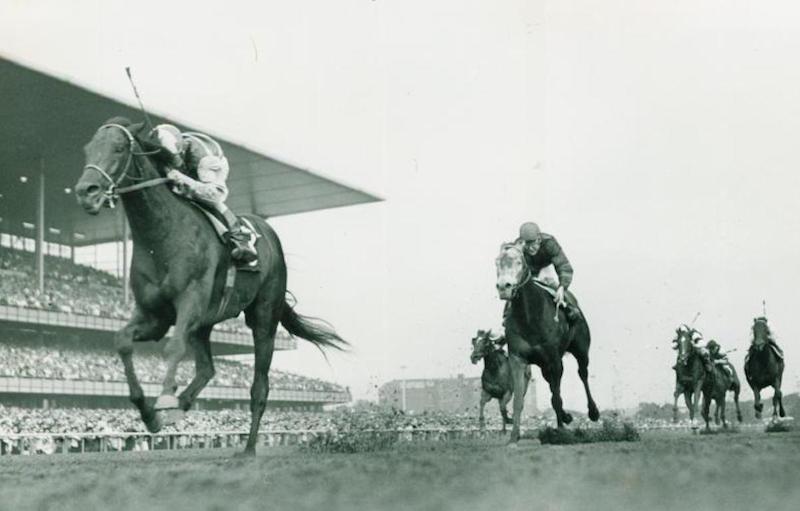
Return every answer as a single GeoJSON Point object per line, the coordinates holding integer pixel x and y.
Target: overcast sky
{"type": "Point", "coordinates": [656, 140]}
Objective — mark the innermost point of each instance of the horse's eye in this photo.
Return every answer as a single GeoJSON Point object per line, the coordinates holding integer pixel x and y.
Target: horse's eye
{"type": "Point", "coordinates": [119, 149]}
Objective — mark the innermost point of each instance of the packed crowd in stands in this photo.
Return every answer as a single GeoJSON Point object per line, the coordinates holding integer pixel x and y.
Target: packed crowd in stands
{"type": "Point", "coordinates": [69, 288]}
{"type": "Point", "coordinates": [15, 420]}
{"type": "Point", "coordinates": [90, 365]}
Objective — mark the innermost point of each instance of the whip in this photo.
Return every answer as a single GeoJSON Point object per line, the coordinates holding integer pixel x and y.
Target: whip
{"type": "Point", "coordinates": [138, 98]}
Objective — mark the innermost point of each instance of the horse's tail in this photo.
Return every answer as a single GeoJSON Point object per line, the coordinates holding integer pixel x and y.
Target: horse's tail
{"type": "Point", "coordinates": [314, 330]}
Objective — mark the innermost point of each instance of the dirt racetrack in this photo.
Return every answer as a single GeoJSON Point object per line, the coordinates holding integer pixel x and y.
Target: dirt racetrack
{"type": "Point", "coordinates": [675, 470]}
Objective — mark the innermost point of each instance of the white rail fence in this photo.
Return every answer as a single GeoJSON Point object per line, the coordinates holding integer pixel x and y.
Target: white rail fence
{"type": "Point", "coordinates": [54, 443]}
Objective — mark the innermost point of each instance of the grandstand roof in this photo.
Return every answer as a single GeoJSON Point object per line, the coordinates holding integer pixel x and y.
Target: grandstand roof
{"type": "Point", "coordinates": [44, 123]}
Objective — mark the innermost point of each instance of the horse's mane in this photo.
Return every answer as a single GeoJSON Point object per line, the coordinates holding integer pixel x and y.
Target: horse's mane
{"type": "Point", "coordinates": [768, 336]}
{"type": "Point", "coordinates": [147, 139]}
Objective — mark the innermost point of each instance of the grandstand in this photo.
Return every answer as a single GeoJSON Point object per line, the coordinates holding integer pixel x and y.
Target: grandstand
{"type": "Point", "coordinates": [57, 317]}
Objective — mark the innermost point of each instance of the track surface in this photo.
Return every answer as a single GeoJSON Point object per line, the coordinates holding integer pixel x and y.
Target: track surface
{"type": "Point", "coordinates": [678, 470]}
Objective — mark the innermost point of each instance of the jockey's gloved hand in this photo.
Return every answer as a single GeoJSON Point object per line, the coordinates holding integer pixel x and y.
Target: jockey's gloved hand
{"type": "Point", "coordinates": [559, 298]}
{"type": "Point", "coordinates": [175, 175]}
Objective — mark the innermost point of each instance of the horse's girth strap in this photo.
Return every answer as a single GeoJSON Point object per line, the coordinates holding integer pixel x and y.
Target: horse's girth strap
{"type": "Point", "coordinates": [230, 282]}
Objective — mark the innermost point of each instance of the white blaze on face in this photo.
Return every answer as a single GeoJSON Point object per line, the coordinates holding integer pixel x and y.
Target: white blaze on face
{"type": "Point", "coordinates": [510, 267]}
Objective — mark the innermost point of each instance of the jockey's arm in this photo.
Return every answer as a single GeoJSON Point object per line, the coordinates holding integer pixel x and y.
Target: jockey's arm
{"type": "Point", "coordinates": [197, 190]}
{"type": "Point", "coordinates": [560, 263]}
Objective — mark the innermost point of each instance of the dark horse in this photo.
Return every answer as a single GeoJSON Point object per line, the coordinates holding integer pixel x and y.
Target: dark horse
{"type": "Point", "coordinates": [690, 372]}
{"type": "Point", "coordinates": [496, 380]}
{"type": "Point", "coordinates": [716, 385]}
{"type": "Point", "coordinates": [763, 368]}
{"type": "Point", "coordinates": [537, 332]}
{"type": "Point", "coordinates": [178, 274]}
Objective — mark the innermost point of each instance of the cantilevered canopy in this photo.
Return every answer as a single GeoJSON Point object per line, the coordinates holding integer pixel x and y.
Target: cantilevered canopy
{"type": "Point", "coordinates": [44, 123]}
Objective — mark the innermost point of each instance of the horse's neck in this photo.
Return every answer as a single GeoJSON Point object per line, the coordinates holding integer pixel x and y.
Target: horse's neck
{"type": "Point", "coordinates": [153, 214]}
{"type": "Point", "coordinates": [531, 304]}
{"type": "Point", "coordinates": [492, 361]}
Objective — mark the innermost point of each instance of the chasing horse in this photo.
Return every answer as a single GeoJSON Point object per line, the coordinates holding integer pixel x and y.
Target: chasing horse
{"type": "Point", "coordinates": [763, 367]}
{"type": "Point", "coordinates": [720, 379]}
{"type": "Point", "coordinates": [496, 380]}
{"type": "Point", "coordinates": [183, 274]}
{"type": "Point", "coordinates": [689, 369]}
{"type": "Point", "coordinates": [541, 323]}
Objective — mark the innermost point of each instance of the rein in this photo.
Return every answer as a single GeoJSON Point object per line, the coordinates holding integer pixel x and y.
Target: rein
{"type": "Point", "coordinates": [113, 191]}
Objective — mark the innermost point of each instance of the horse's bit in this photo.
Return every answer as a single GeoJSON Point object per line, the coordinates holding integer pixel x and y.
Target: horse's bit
{"type": "Point", "coordinates": [112, 193]}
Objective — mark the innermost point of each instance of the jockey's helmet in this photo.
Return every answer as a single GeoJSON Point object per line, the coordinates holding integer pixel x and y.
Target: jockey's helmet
{"type": "Point", "coordinates": [170, 138]}
{"type": "Point", "coordinates": [529, 231]}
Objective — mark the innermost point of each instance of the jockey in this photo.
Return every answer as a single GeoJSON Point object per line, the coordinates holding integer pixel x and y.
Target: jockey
{"type": "Point", "coordinates": [542, 250]}
{"type": "Point", "coordinates": [716, 357]}
{"type": "Point", "coordinates": [196, 152]}
{"type": "Point", "coordinates": [770, 339]}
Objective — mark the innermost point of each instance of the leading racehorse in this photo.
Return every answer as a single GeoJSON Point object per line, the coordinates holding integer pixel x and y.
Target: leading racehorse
{"type": "Point", "coordinates": [764, 368]}
{"type": "Point", "coordinates": [689, 371]}
{"type": "Point", "coordinates": [537, 332]}
{"type": "Point", "coordinates": [178, 273]}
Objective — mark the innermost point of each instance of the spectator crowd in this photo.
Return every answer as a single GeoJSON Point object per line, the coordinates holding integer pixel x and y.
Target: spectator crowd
{"type": "Point", "coordinates": [69, 288]}
{"type": "Point", "coordinates": [51, 362]}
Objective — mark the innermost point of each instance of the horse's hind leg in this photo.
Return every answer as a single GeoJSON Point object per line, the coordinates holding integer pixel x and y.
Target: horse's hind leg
{"type": "Point", "coordinates": [141, 327]}
{"type": "Point", "coordinates": [262, 318]}
{"type": "Point", "coordinates": [583, 373]}
{"type": "Point", "coordinates": [203, 367]}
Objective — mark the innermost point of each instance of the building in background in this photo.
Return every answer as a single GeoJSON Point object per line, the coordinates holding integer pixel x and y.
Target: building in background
{"type": "Point", "coordinates": [453, 395]}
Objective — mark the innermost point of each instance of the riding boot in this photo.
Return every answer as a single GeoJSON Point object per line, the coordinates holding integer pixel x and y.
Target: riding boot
{"type": "Point", "coordinates": [243, 241]}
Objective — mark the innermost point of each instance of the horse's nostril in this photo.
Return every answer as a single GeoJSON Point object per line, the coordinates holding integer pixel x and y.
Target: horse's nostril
{"type": "Point", "coordinates": [507, 285]}
{"type": "Point", "coordinates": [92, 190]}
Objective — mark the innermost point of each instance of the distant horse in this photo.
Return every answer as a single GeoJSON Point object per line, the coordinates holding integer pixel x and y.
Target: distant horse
{"type": "Point", "coordinates": [496, 380]}
{"type": "Point", "coordinates": [716, 385]}
{"type": "Point", "coordinates": [690, 372]}
{"type": "Point", "coordinates": [178, 274]}
{"type": "Point", "coordinates": [764, 368]}
{"type": "Point", "coordinates": [537, 332]}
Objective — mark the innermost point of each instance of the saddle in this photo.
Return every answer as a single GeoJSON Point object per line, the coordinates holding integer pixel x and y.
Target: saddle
{"type": "Point", "coordinates": [775, 349]}
{"type": "Point", "coordinates": [222, 231]}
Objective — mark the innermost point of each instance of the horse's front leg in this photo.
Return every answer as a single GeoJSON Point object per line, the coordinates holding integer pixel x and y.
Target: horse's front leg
{"type": "Point", "coordinates": [187, 324]}
{"type": "Point", "coordinates": [675, 396]}
{"type": "Point", "coordinates": [553, 377]}
{"type": "Point", "coordinates": [142, 327]}
{"type": "Point", "coordinates": [758, 406]}
{"type": "Point", "coordinates": [203, 367]}
{"type": "Point", "coordinates": [698, 390]}
{"type": "Point", "coordinates": [502, 403]}
{"type": "Point", "coordinates": [778, 397]}
{"type": "Point", "coordinates": [484, 399]}
{"type": "Point", "coordinates": [518, 378]}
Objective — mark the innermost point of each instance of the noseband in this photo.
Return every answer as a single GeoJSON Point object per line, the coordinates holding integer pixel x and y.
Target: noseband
{"type": "Point", "coordinates": [113, 191]}
{"type": "Point", "coordinates": [528, 275]}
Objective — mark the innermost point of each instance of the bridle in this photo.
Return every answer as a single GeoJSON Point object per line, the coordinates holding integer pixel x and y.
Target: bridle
{"type": "Point", "coordinates": [686, 339]}
{"type": "Point", "coordinates": [113, 191]}
{"type": "Point", "coordinates": [528, 275]}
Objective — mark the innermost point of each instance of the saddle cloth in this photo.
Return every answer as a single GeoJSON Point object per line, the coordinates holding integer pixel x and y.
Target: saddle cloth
{"type": "Point", "coordinates": [222, 230]}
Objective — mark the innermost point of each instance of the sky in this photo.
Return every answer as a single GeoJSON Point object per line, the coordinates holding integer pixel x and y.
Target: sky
{"type": "Point", "coordinates": [656, 140]}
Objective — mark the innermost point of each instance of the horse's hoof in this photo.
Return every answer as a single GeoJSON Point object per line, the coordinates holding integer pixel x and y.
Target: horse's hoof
{"type": "Point", "coordinates": [594, 414]}
{"type": "Point", "coordinates": [758, 415]}
{"type": "Point", "coordinates": [166, 401]}
{"type": "Point", "coordinates": [567, 418]}
{"type": "Point", "coordinates": [154, 424]}
{"type": "Point", "coordinates": [512, 444]}
{"type": "Point", "coordinates": [170, 417]}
